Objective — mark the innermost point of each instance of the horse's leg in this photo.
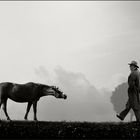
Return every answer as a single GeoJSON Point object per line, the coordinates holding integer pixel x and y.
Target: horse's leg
{"type": "Point", "coordinates": [35, 110]}
{"type": "Point", "coordinates": [0, 104]}
{"type": "Point", "coordinates": [28, 109]}
{"type": "Point", "coordinates": [5, 109]}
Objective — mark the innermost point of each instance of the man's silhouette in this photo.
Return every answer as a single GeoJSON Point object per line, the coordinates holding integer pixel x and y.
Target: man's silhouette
{"type": "Point", "coordinates": [133, 93]}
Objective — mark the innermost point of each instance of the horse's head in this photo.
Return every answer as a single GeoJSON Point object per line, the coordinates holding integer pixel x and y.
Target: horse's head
{"type": "Point", "coordinates": [58, 93]}
{"type": "Point", "coordinates": [55, 91]}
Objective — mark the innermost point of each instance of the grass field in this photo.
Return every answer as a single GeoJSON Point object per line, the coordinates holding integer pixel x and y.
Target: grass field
{"type": "Point", "coordinates": [70, 130]}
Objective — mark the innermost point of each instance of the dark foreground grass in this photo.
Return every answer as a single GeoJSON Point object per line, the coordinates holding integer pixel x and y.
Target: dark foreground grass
{"type": "Point", "coordinates": [70, 130]}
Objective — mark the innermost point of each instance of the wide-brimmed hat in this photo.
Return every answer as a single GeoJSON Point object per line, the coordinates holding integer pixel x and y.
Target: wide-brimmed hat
{"type": "Point", "coordinates": [134, 63]}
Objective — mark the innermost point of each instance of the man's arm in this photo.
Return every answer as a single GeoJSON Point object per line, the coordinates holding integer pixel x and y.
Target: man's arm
{"type": "Point", "coordinates": [132, 81]}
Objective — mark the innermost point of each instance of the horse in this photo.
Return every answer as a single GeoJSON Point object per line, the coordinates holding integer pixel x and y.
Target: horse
{"type": "Point", "coordinates": [29, 92]}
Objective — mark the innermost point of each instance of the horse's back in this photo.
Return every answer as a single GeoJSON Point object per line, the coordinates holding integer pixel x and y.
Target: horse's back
{"type": "Point", "coordinates": [17, 92]}
{"type": "Point", "coordinates": [23, 92]}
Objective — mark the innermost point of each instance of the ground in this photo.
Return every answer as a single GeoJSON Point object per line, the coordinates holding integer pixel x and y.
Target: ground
{"type": "Point", "coordinates": [71, 130]}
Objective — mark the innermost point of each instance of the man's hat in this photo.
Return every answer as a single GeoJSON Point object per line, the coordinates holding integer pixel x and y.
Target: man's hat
{"type": "Point", "coordinates": [134, 63]}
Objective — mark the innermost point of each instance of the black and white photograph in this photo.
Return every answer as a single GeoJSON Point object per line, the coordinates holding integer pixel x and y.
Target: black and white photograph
{"type": "Point", "coordinates": [70, 69]}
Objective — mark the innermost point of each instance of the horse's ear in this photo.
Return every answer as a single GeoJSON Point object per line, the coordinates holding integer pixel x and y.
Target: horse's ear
{"type": "Point", "coordinates": [55, 87]}
{"type": "Point", "coordinates": [52, 86]}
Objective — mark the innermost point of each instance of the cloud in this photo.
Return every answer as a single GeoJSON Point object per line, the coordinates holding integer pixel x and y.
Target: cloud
{"type": "Point", "coordinates": [84, 102]}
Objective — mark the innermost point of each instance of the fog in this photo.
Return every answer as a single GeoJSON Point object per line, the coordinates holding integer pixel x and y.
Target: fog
{"type": "Point", "coordinates": [82, 47]}
{"type": "Point", "coordinates": [84, 102]}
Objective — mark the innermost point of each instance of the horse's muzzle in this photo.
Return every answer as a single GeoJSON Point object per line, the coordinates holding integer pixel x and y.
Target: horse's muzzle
{"type": "Point", "coordinates": [65, 96]}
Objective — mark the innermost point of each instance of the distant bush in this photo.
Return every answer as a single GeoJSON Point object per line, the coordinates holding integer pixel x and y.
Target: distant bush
{"type": "Point", "coordinates": [82, 130]}
{"type": "Point", "coordinates": [119, 99]}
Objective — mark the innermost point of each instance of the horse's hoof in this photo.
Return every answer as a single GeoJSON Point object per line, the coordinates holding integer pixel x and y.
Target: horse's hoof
{"type": "Point", "coordinates": [25, 118]}
{"type": "Point", "coordinates": [8, 119]}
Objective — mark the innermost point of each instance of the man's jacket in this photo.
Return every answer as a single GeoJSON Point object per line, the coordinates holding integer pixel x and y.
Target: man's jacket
{"type": "Point", "coordinates": [134, 89]}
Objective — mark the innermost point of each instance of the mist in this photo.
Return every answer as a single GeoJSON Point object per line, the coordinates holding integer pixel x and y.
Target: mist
{"type": "Point", "coordinates": [84, 103]}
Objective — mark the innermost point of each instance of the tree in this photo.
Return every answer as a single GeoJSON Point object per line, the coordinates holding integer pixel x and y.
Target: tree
{"type": "Point", "coordinates": [119, 98]}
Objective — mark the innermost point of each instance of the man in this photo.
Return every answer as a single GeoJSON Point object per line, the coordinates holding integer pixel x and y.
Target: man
{"type": "Point", "coordinates": [133, 93]}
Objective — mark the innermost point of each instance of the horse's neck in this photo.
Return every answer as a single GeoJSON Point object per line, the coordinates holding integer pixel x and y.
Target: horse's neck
{"type": "Point", "coordinates": [48, 94]}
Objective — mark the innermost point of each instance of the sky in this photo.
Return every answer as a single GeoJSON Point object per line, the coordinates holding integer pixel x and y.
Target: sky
{"type": "Point", "coordinates": [83, 47]}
